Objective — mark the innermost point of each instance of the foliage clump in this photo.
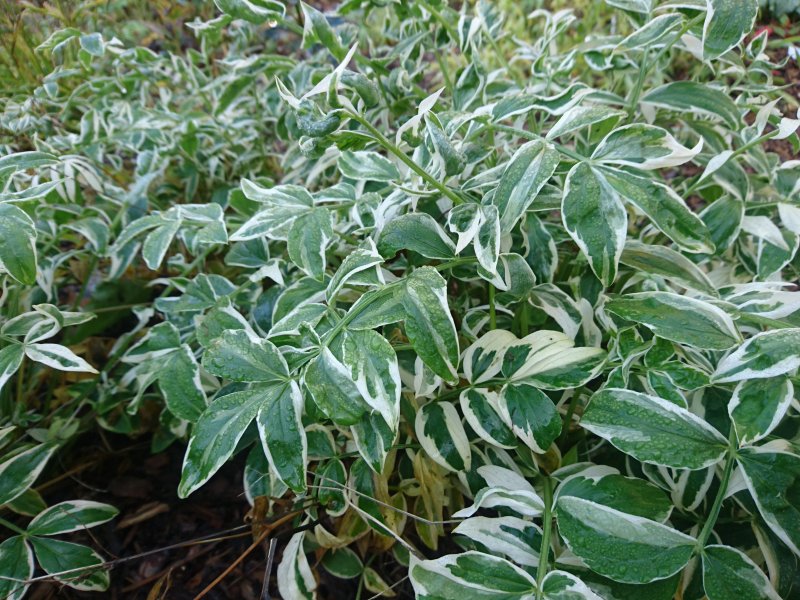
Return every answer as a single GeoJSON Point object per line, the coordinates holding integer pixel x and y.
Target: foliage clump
{"type": "Point", "coordinates": [503, 297]}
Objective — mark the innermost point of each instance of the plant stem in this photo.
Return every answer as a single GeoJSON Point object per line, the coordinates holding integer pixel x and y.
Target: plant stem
{"type": "Point", "coordinates": [523, 319]}
{"type": "Point", "coordinates": [547, 525]}
{"type": "Point", "coordinates": [11, 526]}
{"type": "Point", "coordinates": [20, 385]}
{"type": "Point", "coordinates": [389, 146]}
{"type": "Point", "coordinates": [492, 311]}
{"type": "Point", "coordinates": [705, 533]}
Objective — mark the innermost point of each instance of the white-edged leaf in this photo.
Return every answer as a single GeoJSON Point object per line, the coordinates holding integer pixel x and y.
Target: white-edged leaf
{"type": "Point", "coordinates": [678, 318]}
{"type": "Point", "coordinates": [644, 147]}
{"type": "Point", "coordinates": [373, 365]}
{"type": "Point", "coordinates": [653, 430]}
{"type": "Point", "coordinates": [470, 575]}
{"type": "Point", "coordinates": [71, 515]}
{"type": "Point", "coordinates": [766, 354]}
{"type": "Point", "coordinates": [16, 566]}
{"type": "Point", "coordinates": [730, 573]}
{"type": "Point", "coordinates": [595, 219]}
{"type": "Point", "coordinates": [295, 579]}
{"type": "Point", "coordinates": [58, 357]}
{"type": "Point", "coordinates": [19, 472]}
{"type": "Point", "coordinates": [429, 325]}
{"type": "Point", "coordinates": [620, 546]}
{"type": "Point", "coordinates": [727, 23]}
{"type": "Point", "coordinates": [517, 539]}
{"type": "Point", "coordinates": [758, 406]}
{"type": "Point", "coordinates": [441, 434]}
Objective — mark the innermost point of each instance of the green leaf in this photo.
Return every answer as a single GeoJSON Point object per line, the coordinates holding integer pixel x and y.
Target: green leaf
{"type": "Point", "coordinates": [366, 165]}
{"type": "Point", "coordinates": [549, 360]}
{"type": "Point", "coordinates": [773, 478]}
{"type": "Point", "coordinates": [179, 381]}
{"type": "Point", "coordinates": [418, 232]}
{"type": "Point", "coordinates": [542, 255]}
{"type": "Point", "coordinates": [506, 489]}
{"type": "Point", "coordinates": [358, 261]}
{"type": "Point", "coordinates": [17, 244]}
{"type": "Point", "coordinates": [723, 218]}
{"type": "Point", "coordinates": [667, 263]}
{"type": "Point", "coordinates": [560, 585]}
{"type": "Point", "coordinates": [429, 325]}
{"type": "Point", "coordinates": [254, 11]}
{"type": "Point", "coordinates": [295, 578]}
{"type": "Point", "coordinates": [643, 147]}
{"type": "Point", "coordinates": [663, 207]}
{"type": "Point", "coordinates": [19, 472]}
{"type": "Point", "coordinates": [726, 24]}
{"type": "Point", "coordinates": [283, 436]}
{"type": "Point", "coordinates": [595, 218]}
{"type": "Point", "coordinates": [696, 98]}
{"type": "Point", "coordinates": [335, 394]}
{"type": "Point", "coordinates": [531, 415]}
{"type": "Point", "coordinates": [22, 161]}
{"type": "Point", "coordinates": [487, 239]}
{"type": "Point", "coordinates": [58, 357]}
{"type": "Point", "coordinates": [518, 539]}
{"type": "Point", "coordinates": [332, 476]}
{"type": "Point", "coordinates": [526, 173]}
{"type": "Point", "coordinates": [240, 356]}
{"type": "Point", "coordinates": [374, 369]}
{"type": "Point", "coordinates": [10, 359]}
{"type": "Point", "coordinates": [373, 438]}
{"type": "Point", "coordinates": [652, 31]}
{"type": "Point", "coordinates": [729, 573]}
{"type": "Point", "coordinates": [442, 436]}
{"type": "Point", "coordinates": [157, 242]}
{"type": "Point", "coordinates": [16, 565]}
{"type": "Point", "coordinates": [72, 515]}
{"type": "Point", "coordinates": [217, 432]}
{"type": "Point", "coordinates": [580, 117]}
{"type": "Point", "coordinates": [766, 354]}
{"type": "Point", "coordinates": [636, 6]}
{"type": "Point", "coordinates": [83, 565]}
{"type": "Point", "coordinates": [309, 237]}
{"type": "Point", "coordinates": [471, 575]}
{"type": "Point", "coordinates": [317, 29]}
{"type": "Point", "coordinates": [483, 359]}
{"type": "Point", "coordinates": [653, 430]}
{"type": "Point", "coordinates": [481, 408]}
{"type": "Point", "coordinates": [621, 546]}
{"type": "Point", "coordinates": [342, 563]}
{"type": "Point", "coordinates": [627, 494]}
{"type": "Point", "coordinates": [758, 406]}
{"type": "Point", "coordinates": [678, 318]}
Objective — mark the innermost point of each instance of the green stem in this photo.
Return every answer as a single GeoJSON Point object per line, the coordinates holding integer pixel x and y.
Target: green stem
{"type": "Point", "coordinates": [523, 319]}
{"type": "Point", "coordinates": [547, 525]}
{"type": "Point", "coordinates": [573, 402]}
{"type": "Point", "coordinates": [448, 83]}
{"type": "Point", "coordinates": [492, 311]}
{"type": "Point", "coordinates": [529, 135]}
{"type": "Point", "coordinates": [20, 386]}
{"type": "Point", "coordinates": [637, 91]}
{"type": "Point", "coordinates": [390, 147]}
{"type": "Point", "coordinates": [705, 533]}
{"type": "Point", "coordinates": [12, 527]}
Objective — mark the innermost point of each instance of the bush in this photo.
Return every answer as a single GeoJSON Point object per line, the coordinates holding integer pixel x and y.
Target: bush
{"type": "Point", "coordinates": [506, 299]}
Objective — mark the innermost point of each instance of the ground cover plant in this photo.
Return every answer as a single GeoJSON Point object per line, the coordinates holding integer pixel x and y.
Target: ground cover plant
{"type": "Point", "coordinates": [489, 300]}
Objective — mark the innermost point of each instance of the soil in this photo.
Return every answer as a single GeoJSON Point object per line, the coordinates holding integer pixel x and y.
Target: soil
{"type": "Point", "coordinates": [156, 545]}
